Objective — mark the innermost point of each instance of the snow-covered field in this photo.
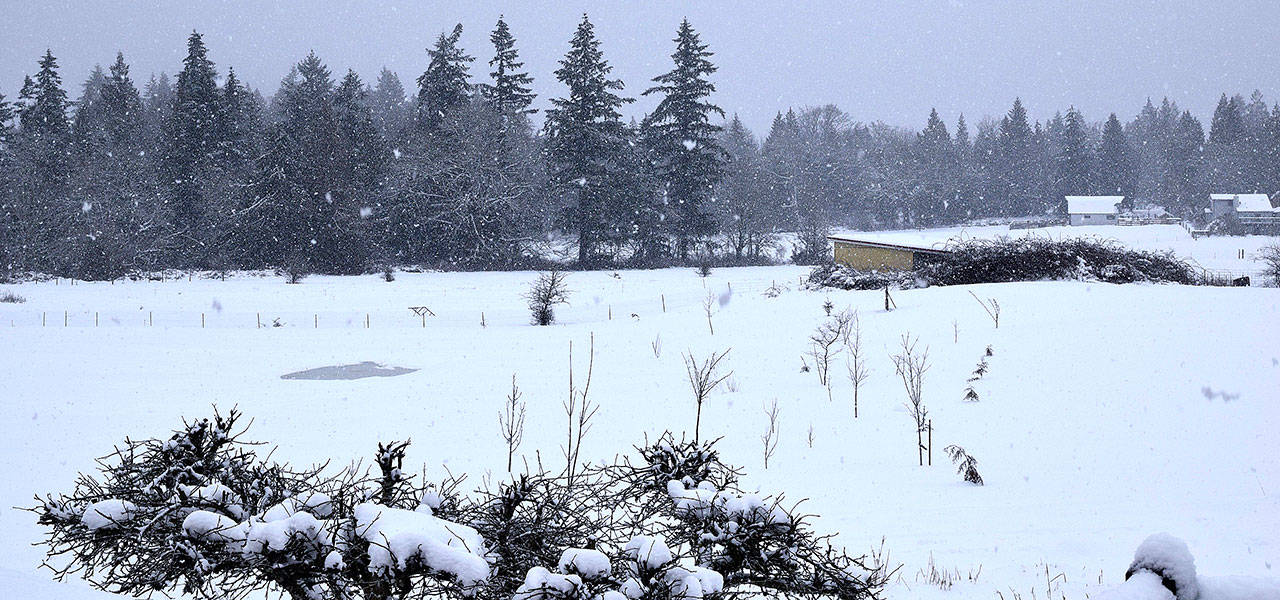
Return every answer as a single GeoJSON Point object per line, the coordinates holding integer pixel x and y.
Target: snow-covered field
{"type": "Point", "coordinates": [1109, 412]}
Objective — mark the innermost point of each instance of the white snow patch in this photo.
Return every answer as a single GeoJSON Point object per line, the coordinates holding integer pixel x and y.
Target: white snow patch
{"type": "Point", "coordinates": [590, 564]}
{"type": "Point", "coordinates": [400, 537]}
{"type": "Point", "coordinates": [108, 514]}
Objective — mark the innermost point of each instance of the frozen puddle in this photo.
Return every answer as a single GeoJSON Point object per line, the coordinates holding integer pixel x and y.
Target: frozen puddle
{"type": "Point", "coordinates": [356, 371]}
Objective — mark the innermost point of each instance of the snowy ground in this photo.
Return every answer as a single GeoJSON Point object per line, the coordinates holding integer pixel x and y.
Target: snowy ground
{"type": "Point", "coordinates": [1109, 412]}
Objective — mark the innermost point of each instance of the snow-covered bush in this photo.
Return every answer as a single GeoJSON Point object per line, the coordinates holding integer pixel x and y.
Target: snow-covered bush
{"type": "Point", "coordinates": [1270, 257]}
{"type": "Point", "coordinates": [1019, 259]}
{"type": "Point", "coordinates": [848, 278]}
{"type": "Point", "coordinates": [201, 514]}
{"type": "Point", "coordinates": [1168, 558]}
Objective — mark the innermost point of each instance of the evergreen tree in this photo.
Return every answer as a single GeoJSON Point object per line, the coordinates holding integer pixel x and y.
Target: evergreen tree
{"type": "Point", "coordinates": [1183, 156]}
{"type": "Point", "coordinates": [7, 114]}
{"type": "Point", "coordinates": [587, 143]}
{"type": "Point", "coordinates": [1115, 163]}
{"type": "Point", "coordinates": [445, 85]}
{"type": "Point", "coordinates": [192, 146]}
{"type": "Point", "coordinates": [968, 188]}
{"type": "Point", "coordinates": [1014, 175]}
{"type": "Point", "coordinates": [1074, 164]}
{"type": "Point", "coordinates": [389, 106]}
{"type": "Point", "coordinates": [510, 91]}
{"type": "Point", "coordinates": [42, 206]}
{"type": "Point", "coordinates": [686, 152]}
{"type": "Point", "coordinates": [47, 112]}
{"type": "Point", "coordinates": [1227, 126]}
{"type": "Point", "coordinates": [936, 172]}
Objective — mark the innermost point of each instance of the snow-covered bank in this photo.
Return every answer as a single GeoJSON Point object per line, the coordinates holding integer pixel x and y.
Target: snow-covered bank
{"type": "Point", "coordinates": [1108, 412]}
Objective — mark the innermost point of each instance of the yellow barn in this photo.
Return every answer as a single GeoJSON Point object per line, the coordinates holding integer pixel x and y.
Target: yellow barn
{"type": "Point", "coordinates": [878, 256]}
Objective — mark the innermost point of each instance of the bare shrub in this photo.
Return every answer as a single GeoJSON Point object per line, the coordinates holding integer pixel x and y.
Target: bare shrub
{"type": "Point", "coordinates": [8, 297]}
{"type": "Point", "coordinates": [966, 465]}
{"type": "Point", "coordinates": [911, 367]}
{"type": "Point", "coordinates": [546, 292]}
{"type": "Point", "coordinates": [702, 380]}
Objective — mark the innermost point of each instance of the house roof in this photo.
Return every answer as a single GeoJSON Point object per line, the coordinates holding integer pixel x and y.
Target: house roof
{"type": "Point", "coordinates": [1093, 205]}
{"type": "Point", "coordinates": [868, 243]}
{"type": "Point", "coordinates": [1247, 202]}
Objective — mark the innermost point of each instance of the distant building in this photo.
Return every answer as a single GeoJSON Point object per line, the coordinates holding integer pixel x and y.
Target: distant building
{"type": "Point", "coordinates": [1093, 210]}
{"type": "Point", "coordinates": [879, 256]}
{"type": "Point", "coordinates": [1250, 209]}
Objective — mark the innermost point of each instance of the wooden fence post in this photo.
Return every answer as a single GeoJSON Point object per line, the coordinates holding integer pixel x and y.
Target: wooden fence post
{"type": "Point", "coordinates": [664, 302]}
{"type": "Point", "coordinates": [930, 442]}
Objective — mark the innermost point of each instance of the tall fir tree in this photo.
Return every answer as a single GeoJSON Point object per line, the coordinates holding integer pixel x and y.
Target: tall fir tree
{"type": "Point", "coordinates": [510, 92]}
{"type": "Point", "coordinates": [1115, 163]}
{"type": "Point", "coordinates": [389, 106]}
{"type": "Point", "coordinates": [683, 142]}
{"type": "Point", "coordinates": [1074, 164]}
{"type": "Point", "coordinates": [937, 172]}
{"type": "Point", "coordinates": [445, 85]}
{"type": "Point", "coordinates": [587, 143]}
{"type": "Point", "coordinates": [192, 144]}
{"type": "Point", "coordinates": [1015, 192]}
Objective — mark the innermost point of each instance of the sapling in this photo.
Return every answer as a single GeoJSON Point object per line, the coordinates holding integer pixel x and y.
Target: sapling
{"type": "Point", "coordinates": [828, 306]}
{"type": "Point", "coordinates": [911, 367]}
{"type": "Point", "coordinates": [823, 348]}
{"type": "Point", "coordinates": [770, 437]}
{"type": "Point", "coordinates": [966, 465]}
{"type": "Point", "coordinates": [546, 292]}
{"type": "Point", "coordinates": [707, 303]}
{"type": "Point", "coordinates": [702, 380]}
{"type": "Point", "coordinates": [855, 361]}
{"type": "Point", "coordinates": [511, 421]}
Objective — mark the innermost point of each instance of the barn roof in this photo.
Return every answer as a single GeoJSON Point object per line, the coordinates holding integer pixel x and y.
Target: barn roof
{"type": "Point", "coordinates": [1247, 202]}
{"type": "Point", "coordinates": [870, 244]}
{"type": "Point", "coordinates": [1093, 205]}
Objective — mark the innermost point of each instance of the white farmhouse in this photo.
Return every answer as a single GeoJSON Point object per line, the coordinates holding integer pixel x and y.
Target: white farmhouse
{"type": "Point", "coordinates": [1253, 209]}
{"type": "Point", "coordinates": [1093, 210]}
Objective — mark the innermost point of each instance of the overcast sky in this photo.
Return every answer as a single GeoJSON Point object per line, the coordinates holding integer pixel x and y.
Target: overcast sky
{"type": "Point", "coordinates": [888, 61]}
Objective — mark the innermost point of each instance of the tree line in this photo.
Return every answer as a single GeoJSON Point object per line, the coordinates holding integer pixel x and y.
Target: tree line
{"type": "Point", "coordinates": [331, 174]}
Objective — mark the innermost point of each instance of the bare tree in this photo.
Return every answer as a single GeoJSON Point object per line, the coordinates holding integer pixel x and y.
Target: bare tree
{"type": "Point", "coordinates": [823, 345]}
{"type": "Point", "coordinates": [579, 411]}
{"type": "Point", "coordinates": [511, 422]}
{"type": "Point", "coordinates": [911, 367]}
{"type": "Point", "coordinates": [855, 361]}
{"type": "Point", "coordinates": [770, 437]}
{"type": "Point", "coordinates": [545, 293]}
{"type": "Point", "coordinates": [702, 380]}
{"type": "Point", "coordinates": [966, 465]}
{"type": "Point", "coordinates": [991, 306]}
